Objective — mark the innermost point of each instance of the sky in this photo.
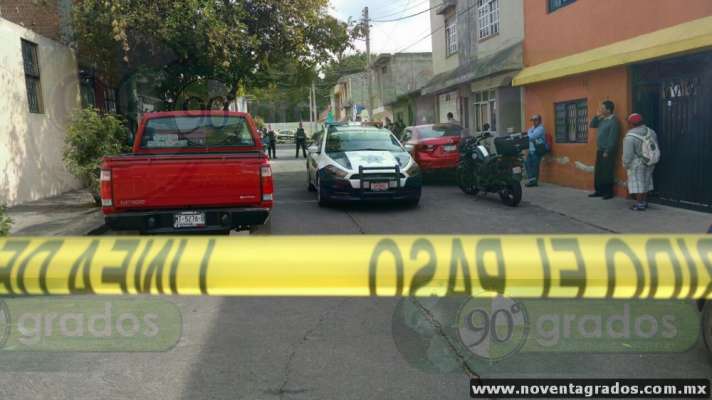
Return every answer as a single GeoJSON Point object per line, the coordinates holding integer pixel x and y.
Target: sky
{"type": "Point", "coordinates": [390, 37]}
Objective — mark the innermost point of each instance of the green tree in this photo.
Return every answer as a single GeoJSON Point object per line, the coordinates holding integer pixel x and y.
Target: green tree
{"type": "Point", "coordinates": [286, 99]}
{"type": "Point", "coordinates": [238, 43]}
{"type": "Point", "coordinates": [90, 137]}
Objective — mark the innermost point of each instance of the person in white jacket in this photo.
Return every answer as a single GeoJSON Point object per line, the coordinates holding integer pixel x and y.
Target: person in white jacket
{"type": "Point", "coordinates": [640, 174]}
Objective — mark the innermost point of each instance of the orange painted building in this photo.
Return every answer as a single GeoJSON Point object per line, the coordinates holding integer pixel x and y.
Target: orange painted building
{"type": "Point", "coordinates": [653, 57]}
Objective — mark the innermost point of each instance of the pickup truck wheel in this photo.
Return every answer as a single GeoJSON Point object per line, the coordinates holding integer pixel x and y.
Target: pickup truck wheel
{"type": "Point", "coordinates": [412, 203]}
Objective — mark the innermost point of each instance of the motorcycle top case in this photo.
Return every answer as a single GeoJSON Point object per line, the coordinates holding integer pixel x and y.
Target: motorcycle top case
{"type": "Point", "coordinates": [511, 146]}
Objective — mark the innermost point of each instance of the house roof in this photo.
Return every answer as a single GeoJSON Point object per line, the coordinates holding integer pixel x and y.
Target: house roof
{"type": "Point", "coordinates": [678, 39]}
{"type": "Point", "coordinates": [505, 60]}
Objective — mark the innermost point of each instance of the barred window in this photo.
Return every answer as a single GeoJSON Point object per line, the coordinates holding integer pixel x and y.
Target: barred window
{"type": "Point", "coordinates": [451, 36]}
{"type": "Point", "coordinates": [572, 121]}
{"type": "Point", "coordinates": [110, 100]}
{"type": "Point", "coordinates": [32, 76]}
{"type": "Point", "coordinates": [556, 4]}
{"type": "Point", "coordinates": [87, 84]}
{"type": "Point", "coordinates": [488, 17]}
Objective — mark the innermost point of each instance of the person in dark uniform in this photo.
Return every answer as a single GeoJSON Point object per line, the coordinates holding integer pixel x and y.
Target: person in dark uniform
{"type": "Point", "coordinates": [607, 143]}
{"type": "Point", "coordinates": [301, 140]}
{"type": "Point", "coordinates": [272, 150]}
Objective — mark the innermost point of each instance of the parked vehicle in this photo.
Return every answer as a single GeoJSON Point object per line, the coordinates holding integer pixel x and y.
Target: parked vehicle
{"type": "Point", "coordinates": [190, 171]}
{"type": "Point", "coordinates": [481, 171]}
{"type": "Point", "coordinates": [434, 147]}
{"type": "Point", "coordinates": [285, 136]}
{"type": "Point", "coordinates": [706, 320]}
{"type": "Point", "coordinates": [359, 163]}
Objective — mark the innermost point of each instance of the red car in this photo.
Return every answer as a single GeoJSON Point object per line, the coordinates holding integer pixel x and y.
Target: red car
{"type": "Point", "coordinates": [190, 171]}
{"type": "Point", "coordinates": [434, 147]}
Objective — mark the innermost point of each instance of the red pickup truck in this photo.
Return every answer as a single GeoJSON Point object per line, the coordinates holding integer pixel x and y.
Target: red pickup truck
{"type": "Point", "coordinates": [190, 171]}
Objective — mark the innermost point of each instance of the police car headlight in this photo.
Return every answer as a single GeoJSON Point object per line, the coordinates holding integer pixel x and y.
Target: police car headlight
{"type": "Point", "coordinates": [337, 172]}
{"type": "Point", "coordinates": [413, 170]}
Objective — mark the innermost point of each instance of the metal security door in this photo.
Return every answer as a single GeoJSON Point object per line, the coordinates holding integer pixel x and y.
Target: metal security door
{"type": "Point", "coordinates": [675, 98]}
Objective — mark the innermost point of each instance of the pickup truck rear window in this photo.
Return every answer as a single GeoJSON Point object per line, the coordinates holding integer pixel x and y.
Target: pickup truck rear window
{"type": "Point", "coordinates": [196, 132]}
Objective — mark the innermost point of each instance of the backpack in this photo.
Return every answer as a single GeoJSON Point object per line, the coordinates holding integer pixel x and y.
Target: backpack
{"type": "Point", "coordinates": [649, 147]}
{"type": "Point", "coordinates": [549, 142]}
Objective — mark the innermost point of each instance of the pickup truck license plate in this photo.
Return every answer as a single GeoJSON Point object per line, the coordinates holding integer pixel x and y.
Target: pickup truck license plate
{"type": "Point", "coordinates": [450, 147]}
{"type": "Point", "coordinates": [379, 186]}
{"type": "Point", "coordinates": [189, 220]}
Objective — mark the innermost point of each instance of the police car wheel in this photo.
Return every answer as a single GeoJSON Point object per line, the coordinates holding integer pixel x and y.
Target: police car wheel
{"type": "Point", "coordinates": [707, 327]}
{"type": "Point", "coordinates": [310, 185]}
{"type": "Point", "coordinates": [321, 200]}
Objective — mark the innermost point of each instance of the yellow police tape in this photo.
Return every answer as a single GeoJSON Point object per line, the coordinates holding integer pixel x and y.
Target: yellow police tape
{"type": "Point", "coordinates": [560, 266]}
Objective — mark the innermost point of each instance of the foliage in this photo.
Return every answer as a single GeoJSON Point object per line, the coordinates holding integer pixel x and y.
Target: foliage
{"type": "Point", "coordinates": [90, 137]}
{"type": "Point", "coordinates": [5, 222]}
{"type": "Point", "coordinates": [236, 42]}
{"type": "Point", "coordinates": [259, 122]}
{"type": "Point", "coordinates": [288, 99]}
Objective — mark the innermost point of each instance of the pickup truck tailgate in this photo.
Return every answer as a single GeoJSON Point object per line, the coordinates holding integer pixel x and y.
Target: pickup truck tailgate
{"type": "Point", "coordinates": [186, 181]}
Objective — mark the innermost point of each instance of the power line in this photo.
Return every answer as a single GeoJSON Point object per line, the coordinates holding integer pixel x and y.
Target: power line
{"type": "Point", "coordinates": [389, 7]}
{"type": "Point", "coordinates": [407, 16]}
{"type": "Point", "coordinates": [435, 30]}
{"type": "Point", "coordinates": [408, 8]}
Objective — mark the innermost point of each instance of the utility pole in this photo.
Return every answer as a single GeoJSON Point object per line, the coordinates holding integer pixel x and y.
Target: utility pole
{"type": "Point", "coordinates": [311, 108]}
{"type": "Point", "coordinates": [367, 31]}
{"type": "Point", "coordinates": [316, 110]}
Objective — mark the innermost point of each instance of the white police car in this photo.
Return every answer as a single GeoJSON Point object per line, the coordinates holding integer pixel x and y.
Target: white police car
{"type": "Point", "coordinates": [361, 163]}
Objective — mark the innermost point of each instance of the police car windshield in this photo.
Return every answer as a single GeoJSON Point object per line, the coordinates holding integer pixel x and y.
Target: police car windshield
{"type": "Point", "coordinates": [361, 140]}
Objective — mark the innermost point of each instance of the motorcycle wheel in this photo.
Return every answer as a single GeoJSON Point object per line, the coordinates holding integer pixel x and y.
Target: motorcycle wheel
{"type": "Point", "coordinates": [464, 181]}
{"type": "Point", "coordinates": [511, 195]}
{"type": "Point", "coordinates": [707, 327]}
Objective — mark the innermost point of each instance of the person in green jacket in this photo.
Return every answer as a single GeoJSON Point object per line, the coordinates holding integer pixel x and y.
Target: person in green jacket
{"type": "Point", "coordinates": [608, 132]}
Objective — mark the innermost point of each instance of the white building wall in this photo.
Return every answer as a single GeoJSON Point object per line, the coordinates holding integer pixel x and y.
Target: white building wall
{"type": "Point", "coordinates": [441, 61]}
{"type": "Point", "coordinates": [31, 145]}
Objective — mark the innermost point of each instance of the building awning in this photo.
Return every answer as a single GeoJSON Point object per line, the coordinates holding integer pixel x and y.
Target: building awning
{"type": "Point", "coordinates": [505, 60]}
{"type": "Point", "coordinates": [678, 39]}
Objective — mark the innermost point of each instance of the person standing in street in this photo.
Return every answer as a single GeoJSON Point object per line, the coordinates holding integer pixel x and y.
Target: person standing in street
{"type": "Point", "coordinates": [272, 149]}
{"type": "Point", "coordinates": [537, 136]}
{"type": "Point", "coordinates": [265, 140]}
{"type": "Point", "coordinates": [301, 140]}
{"type": "Point", "coordinates": [638, 167]}
{"type": "Point", "coordinates": [608, 132]}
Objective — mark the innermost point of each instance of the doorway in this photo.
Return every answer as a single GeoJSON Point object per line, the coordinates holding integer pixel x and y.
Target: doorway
{"type": "Point", "coordinates": [675, 98]}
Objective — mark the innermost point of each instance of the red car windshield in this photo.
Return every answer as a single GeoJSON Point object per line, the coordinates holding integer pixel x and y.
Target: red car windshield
{"type": "Point", "coordinates": [196, 132]}
{"type": "Point", "coordinates": [436, 131]}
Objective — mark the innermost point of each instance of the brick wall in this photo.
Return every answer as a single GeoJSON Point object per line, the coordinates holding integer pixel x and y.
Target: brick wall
{"type": "Point", "coordinates": [41, 16]}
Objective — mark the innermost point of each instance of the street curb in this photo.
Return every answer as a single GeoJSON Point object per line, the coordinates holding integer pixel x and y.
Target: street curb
{"type": "Point", "coordinates": [98, 231]}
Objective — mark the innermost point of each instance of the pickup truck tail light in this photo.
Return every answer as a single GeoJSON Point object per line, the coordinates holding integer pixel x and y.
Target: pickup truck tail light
{"type": "Point", "coordinates": [267, 185]}
{"type": "Point", "coordinates": [105, 190]}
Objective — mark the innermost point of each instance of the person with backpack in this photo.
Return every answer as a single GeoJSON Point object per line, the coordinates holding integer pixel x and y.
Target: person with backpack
{"type": "Point", "coordinates": [640, 154]}
{"type": "Point", "coordinates": [537, 150]}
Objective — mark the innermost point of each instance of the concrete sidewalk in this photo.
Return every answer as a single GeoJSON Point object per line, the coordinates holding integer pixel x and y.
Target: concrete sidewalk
{"type": "Point", "coordinates": [69, 214]}
{"type": "Point", "coordinates": [614, 215]}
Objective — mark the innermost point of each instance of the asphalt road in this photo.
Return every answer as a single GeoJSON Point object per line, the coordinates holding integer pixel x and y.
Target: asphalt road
{"type": "Point", "coordinates": [333, 348]}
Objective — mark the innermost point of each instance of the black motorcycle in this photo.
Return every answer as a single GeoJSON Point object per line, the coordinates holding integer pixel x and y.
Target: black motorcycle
{"type": "Point", "coordinates": [501, 173]}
